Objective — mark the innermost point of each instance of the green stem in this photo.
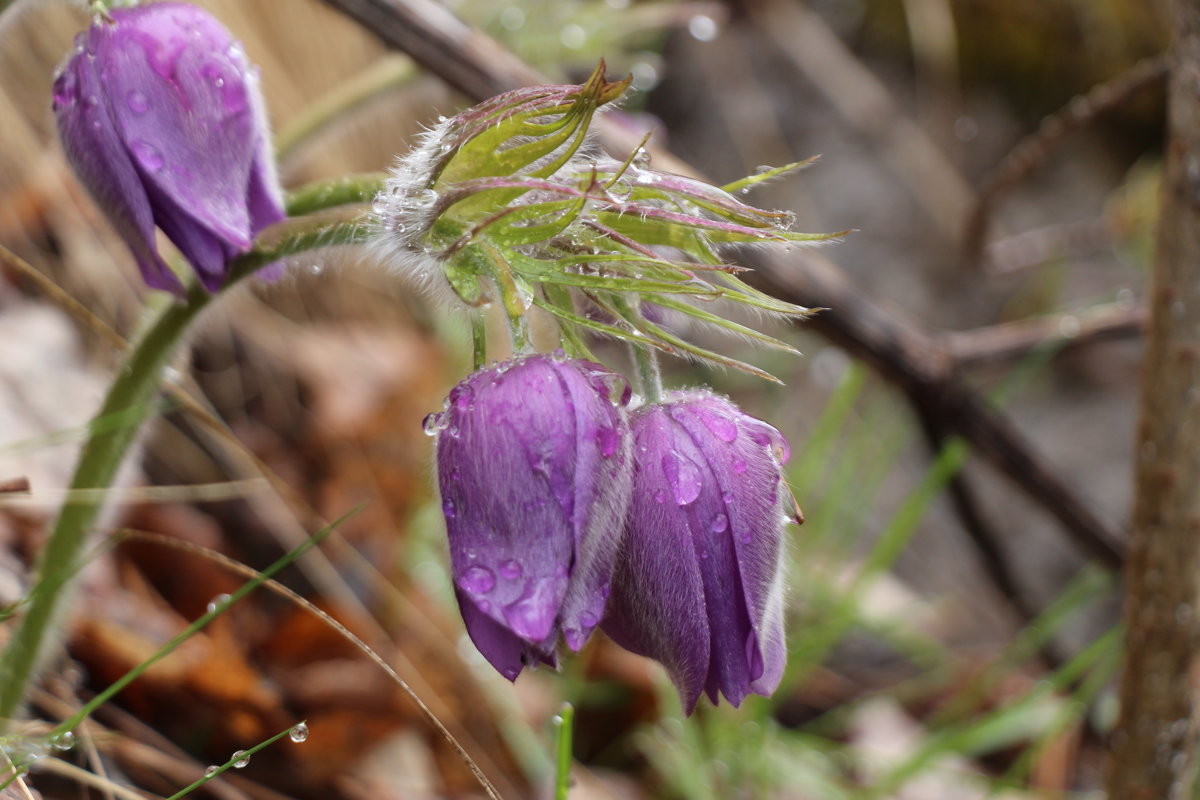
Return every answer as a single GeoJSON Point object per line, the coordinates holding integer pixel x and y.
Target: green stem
{"type": "Point", "coordinates": [478, 339]}
{"type": "Point", "coordinates": [337, 192]}
{"type": "Point", "coordinates": [649, 378]}
{"type": "Point", "coordinates": [131, 395]}
{"type": "Point", "coordinates": [564, 721]}
{"type": "Point", "coordinates": [130, 399]}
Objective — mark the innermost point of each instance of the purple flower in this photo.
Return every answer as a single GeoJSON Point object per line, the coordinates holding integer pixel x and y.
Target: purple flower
{"type": "Point", "coordinates": [162, 119]}
{"type": "Point", "coordinates": [533, 466]}
{"type": "Point", "coordinates": [699, 582]}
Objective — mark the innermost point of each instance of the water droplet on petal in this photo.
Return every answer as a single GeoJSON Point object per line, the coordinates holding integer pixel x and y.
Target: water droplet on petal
{"type": "Point", "coordinates": [240, 759]}
{"type": "Point", "coordinates": [510, 569]}
{"type": "Point", "coordinates": [721, 426]}
{"type": "Point", "coordinates": [719, 523]}
{"type": "Point", "coordinates": [299, 732]}
{"type": "Point", "coordinates": [449, 509]}
{"type": "Point", "coordinates": [147, 155]}
{"type": "Point", "coordinates": [683, 477]}
{"type": "Point", "coordinates": [478, 580]}
{"type": "Point", "coordinates": [217, 602]}
{"type": "Point", "coordinates": [137, 102]}
{"type": "Point", "coordinates": [434, 423]}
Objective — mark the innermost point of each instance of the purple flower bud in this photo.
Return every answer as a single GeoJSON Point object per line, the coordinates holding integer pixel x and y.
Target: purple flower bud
{"type": "Point", "coordinates": [699, 583]}
{"type": "Point", "coordinates": [162, 119]}
{"type": "Point", "coordinates": [533, 466]}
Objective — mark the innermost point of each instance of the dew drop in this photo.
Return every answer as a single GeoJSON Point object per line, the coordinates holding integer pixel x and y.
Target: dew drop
{"type": "Point", "coordinates": [588, 619]}
{"type": "Point", "coordinates": [217, 602]}
{"type": "Point", "coordinates": [147, 155]}
{"type": "Point", "coordinates": [210, 770]}
{"type": "Point", "coordinates": [462, 397]}
{"type": "Point", "coordinates": [455, 475]}
{"type": "Point", "coordinates": [137, 102]}
{"type": "Point", "coordinates": [449, 509]}
{"type": "Point", "coordinates": [434, 423]}
{"type": "Point", "coordinates": [240, 759]}
{"type": "Point", "coordinates": [722, 427]}
{"type": "Point", "coordinates": [299, 732]}
{"type": "Point", "coordinates": [719, 523]}
{"type": "Point", "coordinates": [63, 741]}
{"type": "Point", "coordinates": [703, 28]}
{"type": "Point", "coordinates": [683, 477]}
{"type": "Point", "coordinates": [478, 580]}
{"type": "Point", "coordinates": [510, 569]}
{"type": "Point", "coordinates": [727, 497]}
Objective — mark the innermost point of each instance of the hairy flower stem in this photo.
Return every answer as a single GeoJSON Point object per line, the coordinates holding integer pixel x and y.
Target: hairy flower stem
{"type": "Point", "coordinates": [649, 378]}
{"type": "Point", "coordinates": [130, 399]}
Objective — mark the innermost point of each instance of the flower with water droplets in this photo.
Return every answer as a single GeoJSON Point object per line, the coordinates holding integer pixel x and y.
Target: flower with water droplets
{"type": "Point", "coordinates": [533, 469]}
{"type": "Point", "coordinates": [699, 582]}
{"type": "Point", "coordinates": [162, 119]}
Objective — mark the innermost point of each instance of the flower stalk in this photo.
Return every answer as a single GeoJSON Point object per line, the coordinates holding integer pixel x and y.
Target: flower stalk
{"type": "Point", "coordinates": [130, 398]}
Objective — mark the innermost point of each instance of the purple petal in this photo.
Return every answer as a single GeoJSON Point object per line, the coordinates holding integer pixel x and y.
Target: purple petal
{"type": "Point", "coordinates": [93, 146]}
{"type": "Point", "coordinates": [658, 606]}
{"type": "Point", "coordinates": [506, 467]}
{"type": "Point", "coordinates": [181, 97]}
{"type": "Point", "coordinates": [748, 474]}
{"type": "Point", "coordinates": [504, 651]}
{"type": "Point", "coordinates": [603, 481]}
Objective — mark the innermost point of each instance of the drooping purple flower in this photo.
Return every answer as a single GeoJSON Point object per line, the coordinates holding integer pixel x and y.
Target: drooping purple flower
{"type": "Point", "coordinates": [699, 582]}
{"type": "Point", "coordinates": [533, 468]}
{"type": "Point", "coordinates": [162, 119]}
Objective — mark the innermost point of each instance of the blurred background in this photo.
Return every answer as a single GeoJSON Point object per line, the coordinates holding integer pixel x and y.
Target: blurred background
{"type": "Point", "coordinates": [998, 162]}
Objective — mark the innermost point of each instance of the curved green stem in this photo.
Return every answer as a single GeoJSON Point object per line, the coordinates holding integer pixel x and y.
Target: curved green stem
{"type": "Point", "coordinates": [337, 192]}
{"type": "Point", "coordinates": [130, 399]}
{"type": "Point", "coordinates": [645, 362]}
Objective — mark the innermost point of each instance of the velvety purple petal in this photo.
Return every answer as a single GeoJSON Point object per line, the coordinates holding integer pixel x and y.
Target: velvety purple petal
{"type": "Point", "coordinates": [208, 254]}
{"type": "Point", "coordinates": [263, 196]}
{"type": "Point", "coordinates": [504, 651]}
{"type": "Point", "coordinates": [707, 512]}
{"type": "Point", "coordinates": [658, 607]}
{"type": "Point", "coordinates": [181, 98]}
{"type": "Point", "coordinates": [93, 146]}
{"type": "Point", "coordinates": [506, 469]}
{"type": "Point", "coordinates": [603, 480]}
{"type": "Point", "coordinates": [741, 452]}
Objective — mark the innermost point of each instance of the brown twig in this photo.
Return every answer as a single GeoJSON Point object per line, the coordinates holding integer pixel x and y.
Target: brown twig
{"type": "Point", "coordinates": [1010, 341]}
{"type": "Point", "coordinates": [892, 344]}
{"type": "Point", "coordinates": [1032, 151]}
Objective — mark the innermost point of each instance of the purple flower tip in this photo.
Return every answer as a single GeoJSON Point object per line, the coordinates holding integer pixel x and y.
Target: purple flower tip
{"type": "Point", "coordinates": [161, 117]}
{"type": "Point", "coordinates": [533, 468]}
{"type": "Point", "coordinates": [699, 582]}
